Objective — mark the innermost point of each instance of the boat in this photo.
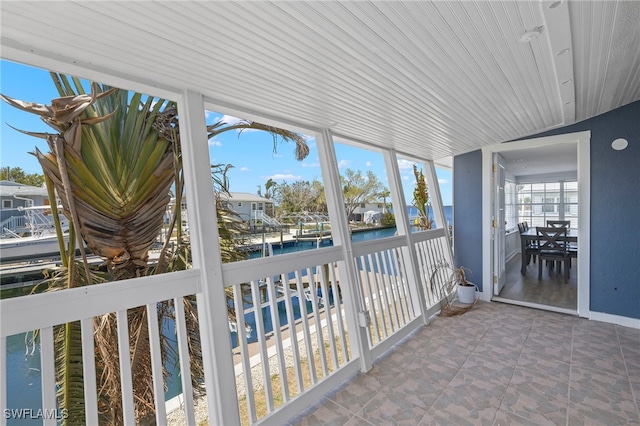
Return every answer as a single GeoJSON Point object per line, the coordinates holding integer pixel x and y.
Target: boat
{"type": "Point", "coordinates": [29, 248]}
{"type": "Point", "coordinates": [42, 241]}
{"type": "Point", "coordinates": [314, 236]}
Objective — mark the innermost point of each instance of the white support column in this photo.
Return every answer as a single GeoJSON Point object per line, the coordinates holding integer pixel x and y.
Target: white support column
{"type": "Point", "coordinates": [349, 281]}
{"type": "Point", "coordinates": [212, 309]}
{"type": "Point", "coordinates": [403, 226]}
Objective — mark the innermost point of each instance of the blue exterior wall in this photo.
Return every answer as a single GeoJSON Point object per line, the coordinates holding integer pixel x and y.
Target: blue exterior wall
{"type": "Point", "coordinates": [467, 214]}
{"type": "Point", "coordinates": [615, 209]}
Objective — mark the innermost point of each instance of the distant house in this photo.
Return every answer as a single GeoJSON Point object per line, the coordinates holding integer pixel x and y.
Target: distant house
{"type": "Point", "coordinates": [250, 206]}
{"type": "Point", "coordinates": [14, 195]}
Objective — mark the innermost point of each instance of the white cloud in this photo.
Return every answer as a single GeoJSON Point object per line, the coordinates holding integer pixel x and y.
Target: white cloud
{"type": "Point", "coordinates": [283, 176]}
{"type": "Point", "coordinates": [405, 177]}
{"type": "Point", "coordinates": [405, 164]}
{"type": "Point", "coordinates": [316, 164]}
{"type": "Point", "coordinates": [244, 169]}
{"type": "Point", "coordinates": [276, 155]}
{"type": "Point", "coordinates": [443, 181]}
{"type": "Point", "coordinates": [213, 142]}
{"type": "Point", "coordinates": [369, 164]}
{"type": "Point", "coordinates": [229, 119]}
{"type": "Point", "coordinates": [344, 163]}
{"type": "Point", "coordinates": [213, 118]}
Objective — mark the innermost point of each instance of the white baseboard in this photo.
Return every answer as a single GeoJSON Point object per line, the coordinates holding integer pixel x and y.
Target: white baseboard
{"type": "Point", "coordinates": [615, 319]}
{"type": "Point", "coordinates": [512, 255]}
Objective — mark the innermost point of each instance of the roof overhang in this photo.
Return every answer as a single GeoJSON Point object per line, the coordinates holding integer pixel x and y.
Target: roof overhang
{"type": "Point", "coordinates": [430, 79]}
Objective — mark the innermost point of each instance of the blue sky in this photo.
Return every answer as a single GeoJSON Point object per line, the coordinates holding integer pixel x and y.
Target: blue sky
{"type": "Point", "coordinates": [251, 153]}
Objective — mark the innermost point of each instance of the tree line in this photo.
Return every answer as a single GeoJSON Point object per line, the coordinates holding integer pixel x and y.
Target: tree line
{"type": "Point", "coordinates": [289, 197]}
{"type": "Point", "coordinates": [16, 174]}
{"type": "Point", "coordinates": [309, 196]}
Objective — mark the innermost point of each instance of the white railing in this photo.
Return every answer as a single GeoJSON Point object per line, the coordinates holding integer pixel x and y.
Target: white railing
{"type": "Point", "coordinates": [266, 219]}
{"type": "Point", "coordinates": [433, 250]}
{"type": "Point", "coordinates": [44, 311]}
{"type": "Point", "coordinates": [293, 332]}
{"type": "Point", "coordinates": [386, 293]}
{"type": "Point", "coordinates": [298, 328]}
{"type": "Point", "coordinates": [12, 224]}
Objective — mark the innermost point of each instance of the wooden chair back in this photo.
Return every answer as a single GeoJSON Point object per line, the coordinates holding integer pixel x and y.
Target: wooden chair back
{"type": "Point", "coordinates": [554, 248]}
{"type": "Point", "coordinates": [558, 223]}
{"type": "Point", "coordinates": [552, 241]}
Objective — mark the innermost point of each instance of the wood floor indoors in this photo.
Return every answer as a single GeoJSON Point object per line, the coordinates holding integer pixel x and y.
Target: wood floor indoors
{"type": "Point", "coordinates": [551, 290]}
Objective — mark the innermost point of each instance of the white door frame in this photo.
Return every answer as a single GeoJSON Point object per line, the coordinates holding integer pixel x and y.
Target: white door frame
{"type": "Point", "coordinates": [497, 199]}
{"type": "Point", "coordinates": [583, 141]}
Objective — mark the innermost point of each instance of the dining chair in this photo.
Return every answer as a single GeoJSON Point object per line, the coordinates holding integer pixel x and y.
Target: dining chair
{"type": "Point", "coordinates": [553, 247]}
{"type": "Point", "coordinates": [530, 251]}
{"type": "Point", "coordinates": [573, 248]}
{"type": "Point", "coordinates": [558, 223]}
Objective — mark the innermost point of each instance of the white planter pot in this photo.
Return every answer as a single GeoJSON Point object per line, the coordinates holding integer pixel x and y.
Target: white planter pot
{"type": "Point", "coordinates": [466, 294]}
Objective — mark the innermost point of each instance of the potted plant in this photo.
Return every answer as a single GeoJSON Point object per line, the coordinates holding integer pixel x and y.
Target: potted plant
{"type": "Point", "coordinates": [466, 289]}
{"type": "Point", "coordinates": [447, 282]}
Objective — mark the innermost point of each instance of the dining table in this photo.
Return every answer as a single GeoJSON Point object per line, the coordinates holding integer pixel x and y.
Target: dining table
{"type": "Point", "coordinates": [530, 235]}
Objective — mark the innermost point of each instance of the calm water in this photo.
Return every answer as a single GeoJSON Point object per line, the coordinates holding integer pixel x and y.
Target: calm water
{"type": "Point", "coordinates": [412, 211]}
{"type": "Point", "coordinates": [23, 359]}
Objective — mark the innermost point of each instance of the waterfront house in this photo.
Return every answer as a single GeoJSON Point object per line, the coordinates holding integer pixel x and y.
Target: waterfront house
{"type": "Point", "coordinates": [251, 207]}
{"type": "Point", "coordinates": [417, 80]}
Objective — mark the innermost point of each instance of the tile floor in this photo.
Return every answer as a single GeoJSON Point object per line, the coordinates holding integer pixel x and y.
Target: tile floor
{"type": "Point", "coordinates": [497, 364]}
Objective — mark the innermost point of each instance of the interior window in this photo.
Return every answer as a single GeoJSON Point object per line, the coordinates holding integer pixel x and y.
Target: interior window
{"type": "Point", "coordinates": [539, 202]}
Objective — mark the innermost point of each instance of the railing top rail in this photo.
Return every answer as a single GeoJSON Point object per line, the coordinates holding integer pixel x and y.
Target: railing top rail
{"type": "Point", "coordinates": [373, 246]}
{"type": "Point", "coordinates": [245, 271]}
{"type": "Point", "coordinates": [34, 312]}
{"type": "Point", "coordinates": [432, 234]}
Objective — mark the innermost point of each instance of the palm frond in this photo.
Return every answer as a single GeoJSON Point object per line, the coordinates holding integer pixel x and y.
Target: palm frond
{"type": "Point", "coordinates": [301, 149]}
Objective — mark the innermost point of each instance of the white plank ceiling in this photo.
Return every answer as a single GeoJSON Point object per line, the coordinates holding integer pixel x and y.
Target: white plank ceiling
{"type": "Point", "coordinates": [431, 79]}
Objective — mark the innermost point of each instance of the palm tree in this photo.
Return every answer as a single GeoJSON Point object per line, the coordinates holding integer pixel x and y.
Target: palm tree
{"type": "Point", "coordinates": [384, 194]}
{"type": "Point", "coordinates": [268, 193]}
{"type": "Point", "coordinates": [113, 161]}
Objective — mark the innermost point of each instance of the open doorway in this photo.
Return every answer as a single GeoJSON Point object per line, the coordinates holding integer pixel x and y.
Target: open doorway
{"type": "Point", "coordinates": [534, 181]}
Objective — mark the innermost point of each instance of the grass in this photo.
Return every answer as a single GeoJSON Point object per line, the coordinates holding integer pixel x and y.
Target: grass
{"type": "Point", "coordinates": [260, 400]}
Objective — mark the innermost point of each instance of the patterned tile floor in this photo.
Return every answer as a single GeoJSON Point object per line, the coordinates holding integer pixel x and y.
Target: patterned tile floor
{"type": "Point", "coordinates": [497, 364]}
